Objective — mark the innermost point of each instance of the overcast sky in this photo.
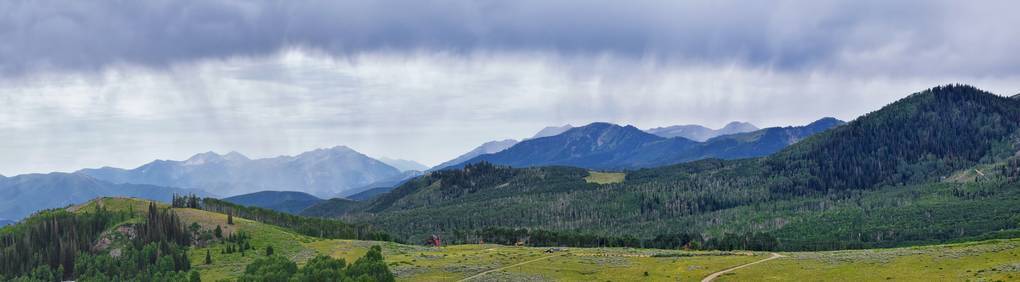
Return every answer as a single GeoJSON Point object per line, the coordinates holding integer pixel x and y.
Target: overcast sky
{"type": "Point", "coordinates": [120, 83]}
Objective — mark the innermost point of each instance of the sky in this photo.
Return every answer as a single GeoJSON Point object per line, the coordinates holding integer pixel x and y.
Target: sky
{"type": "Point", "coordinates": [121, 83]}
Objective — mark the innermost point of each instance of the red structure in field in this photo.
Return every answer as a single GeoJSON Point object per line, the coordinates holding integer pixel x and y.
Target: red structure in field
{"type": "Point", "coordinates": [435, 241]}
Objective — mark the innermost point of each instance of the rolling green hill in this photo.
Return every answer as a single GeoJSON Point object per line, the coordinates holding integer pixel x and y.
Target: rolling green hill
{"type": "Point", "coordinates": [875, 182]}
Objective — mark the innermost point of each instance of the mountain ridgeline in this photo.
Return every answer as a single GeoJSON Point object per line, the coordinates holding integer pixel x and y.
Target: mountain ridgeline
{"type": "Point", "coordinates": [486, 148]}
{"type": "Point", "coordinates": [610, 146]}
{"type": "Point", "coordinates": [291, 202]}
{"type": "Point", "coordinates": [322, 172]}
{"type": "Point", "coordinates": [937, 166]}
{"type": "Point", "coordinates": [700, 133]}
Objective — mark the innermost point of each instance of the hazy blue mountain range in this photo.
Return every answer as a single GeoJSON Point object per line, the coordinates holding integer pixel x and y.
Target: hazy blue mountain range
{"type": "Point", "coordinates": [487, 148]}
{"type": "Point", "coordinates": [6, 222]}
{"type": "Point", "coordinates": [403, 165]}
{"type": "Point", "coordinates": [25, 194]}
{"type": "Point", "coordinates": [609, 146]}
{"type": "Point", "coordinates": [292, 202]}
{"type": "Point", "coordinates": [700, 133]}
{"type": "Point", "coordinates": [322, 172]}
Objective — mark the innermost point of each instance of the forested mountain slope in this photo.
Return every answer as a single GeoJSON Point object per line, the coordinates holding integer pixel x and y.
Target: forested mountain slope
{"type": "Point", "coordinates": [876, 181]}
{"type": "Point", "coordinates": [915, 139]}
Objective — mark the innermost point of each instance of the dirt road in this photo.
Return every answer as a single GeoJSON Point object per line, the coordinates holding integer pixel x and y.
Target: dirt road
{"type": "Point", "coordinates": [713, 276]}
{"type": "Point", "coordinates": [505, 267]}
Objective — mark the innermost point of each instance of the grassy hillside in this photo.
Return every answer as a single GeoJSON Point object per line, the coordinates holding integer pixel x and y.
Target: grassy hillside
{"type": "Point", "coordinates": [419, 263]}
{"type": "Point", "coordinates": [985, 260]}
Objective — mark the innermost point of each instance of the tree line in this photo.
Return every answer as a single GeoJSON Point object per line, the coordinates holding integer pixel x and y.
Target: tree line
{"type": "Point", "coordinates": [754, 241]}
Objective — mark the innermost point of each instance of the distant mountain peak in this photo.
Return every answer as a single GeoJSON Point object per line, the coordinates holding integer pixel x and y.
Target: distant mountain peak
{"type": "Point", "coordinates": [737, 127]}
{"type": "Point", "coordinates": [403, 165]}
{"type": "Point", "coordinates": [700, 133]}
{"type": "Point", "coordinates": [552, 131]}
{"type": "Point", "coordinates": [213, 157]}
{"type": "Point", "coordinates": [335, 149]}
{"type": "Point", "coordinates": [826, 122]}
{"type": "Point", "coordinates": [203, 158]}
{"type": "Point", "coordinates": [235, 156]}
{"type": "Point", "coordinates": [499, 142]}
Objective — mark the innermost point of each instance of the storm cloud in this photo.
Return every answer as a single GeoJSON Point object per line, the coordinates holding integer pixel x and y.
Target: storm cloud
{"type": "Point", "coordinates": [120, 83]}
{"type": "Point", "coordinates": [916, 37]}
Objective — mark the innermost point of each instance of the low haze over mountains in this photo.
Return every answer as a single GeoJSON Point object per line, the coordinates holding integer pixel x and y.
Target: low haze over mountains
{"type": "Point", "coordinates": [25, 194]}
{"type": "Point", "coordinates": [322, 172]}
{"type": "Point", "coordinates": [700, 133]}
{"type": "Point", "coordinates": [403, 165]}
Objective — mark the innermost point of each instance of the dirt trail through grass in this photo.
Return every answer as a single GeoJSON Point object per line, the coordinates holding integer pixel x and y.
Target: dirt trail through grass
{"type": "Point", "coordinates": [713, 276]}
{"type": "Point", "coordinates": [506, 267]}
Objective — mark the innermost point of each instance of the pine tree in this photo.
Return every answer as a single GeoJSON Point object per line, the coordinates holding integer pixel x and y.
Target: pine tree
{"type": "Point", "coordinates": [208, 257]}
{"type": "Point", "coordinates": [269, 250]}
{"type": "Point", "coordinates": [218, 232]}
{"type": "Point", "coordinates": [230, 218]}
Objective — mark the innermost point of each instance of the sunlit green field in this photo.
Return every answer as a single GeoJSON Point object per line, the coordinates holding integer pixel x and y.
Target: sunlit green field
{"type": "Point", "coordinates": [452, 263]}
{"type": "Point", "coordinates": [995, 260]}
{"type": "Point", "coordinates": [605, 177]}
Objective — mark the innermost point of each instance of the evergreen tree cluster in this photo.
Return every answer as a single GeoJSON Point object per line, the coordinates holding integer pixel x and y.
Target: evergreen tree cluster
{"type": "Point", "coordinates": [1011, 171]}
{"type": "Point", "coordinates": [237, 242]}
{"type": "Point", "coordinates": [58, 245]}
{"type": "Point", "coordinates": [157, 261]}
{"type": "Point", "coordinates": [49, 241]}
{"type": "Point", "coordinates": [163, 224]}
{"type": "Point", "coordinates": [186, 201]}
{"type": "Point", "coordinates": [370, 267]}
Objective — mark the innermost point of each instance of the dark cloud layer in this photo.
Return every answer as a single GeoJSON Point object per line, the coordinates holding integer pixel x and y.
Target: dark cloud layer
{"type": "Point", "coordinates": [915, 37]}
